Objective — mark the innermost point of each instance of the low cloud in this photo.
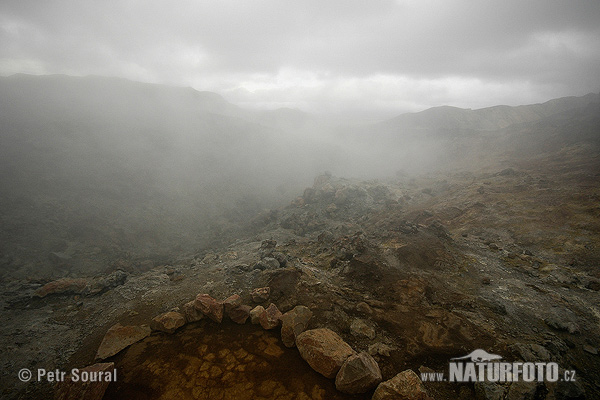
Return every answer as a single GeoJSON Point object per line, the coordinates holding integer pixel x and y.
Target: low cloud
{"type": "Point", "coordinates": [342, 56]}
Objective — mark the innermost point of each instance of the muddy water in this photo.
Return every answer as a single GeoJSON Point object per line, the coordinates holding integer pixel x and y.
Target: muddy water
{"type": "Point", "coordinates": [210, 361]}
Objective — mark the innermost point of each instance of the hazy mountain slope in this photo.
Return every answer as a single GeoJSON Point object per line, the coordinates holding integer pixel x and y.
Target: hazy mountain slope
{"type": "Point", "coordinates": [450, 137]}
{"type": "Point", "coordinates": [128, 169]}
{"type": "Point", "coordinates": [97, 169]}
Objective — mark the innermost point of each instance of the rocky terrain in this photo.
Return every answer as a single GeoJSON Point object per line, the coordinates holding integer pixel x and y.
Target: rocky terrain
{"type": "Point", "coordinates": [485, 235]}
{"type": "Point", "coordinates": [413, 271]}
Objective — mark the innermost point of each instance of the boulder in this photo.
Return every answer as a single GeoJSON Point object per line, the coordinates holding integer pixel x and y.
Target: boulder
{"type": "Point", "coordinates": [404, 386]}
{"type": "Point", "coordinates": [293, 323]}
{"type": "Point", "coordinates": [324, 350]}
{"type": "Point", "coordinates": [89, 390]}
{"type": "Point", "coordinates": [62, 286]}
{"type": "Point", "coordinates": [260, 295]}
{"type": "Point", "coordinates": [255, 314]}
{"type": "Point", "coordinates": [119, 337]}
{"type": "Point", "coordinates": [210, 307]}
{"type": "Point", "coordinates": [240, 314]}
{"type": "Point", "coordinates": [359, 374]}
{"type": "Point", "coordinates": [271, 317]}
{"type": "Point", "coordinates": [167, 322]}
{"type": "Point", "coordinates": [191, 313]}
{"type": "Point", "coordinates": [231, 302]}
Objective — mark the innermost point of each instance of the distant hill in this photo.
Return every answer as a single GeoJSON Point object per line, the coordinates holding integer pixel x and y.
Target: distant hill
{"type": "Point", "coordinates": [490, 118]}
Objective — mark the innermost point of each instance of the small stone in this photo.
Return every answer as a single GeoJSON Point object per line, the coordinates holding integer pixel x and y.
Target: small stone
{"type": "Point", "coordinates": [167, 322]}
{"type": "Point", "coordinates": [210, 307]}
{"type": "Point", "coordinates": [380, 349]}
{"type": "Point", "coordinates": [191, 313]}
{"type": "Point", "coordinates": [267, 263]}
{"type": "Point", "coordinates": [281, 258]}
{"type": "Point", "coordinates": [293, 323]}
{"type": "Point", "coordinates": [360, 328]}
{"type": "Point", "coordinates": [359, 374]}
{"type": "Point", "coordinates": [324, 350]}
{"type": "Point", "coordinates": [255, 314]}
{"type": "Point", "coordinates": [271, 317]}
{"type": "Point", "coordinates": [260, 295]}
{"type": "Point", "coordinates": [590, 349]}
{"type": "Point", "coordinates": [268, 244]}
{"type": "Point", "coordinates": [406, 386]}
{"type": "Point", "coordinates": [486, 280]}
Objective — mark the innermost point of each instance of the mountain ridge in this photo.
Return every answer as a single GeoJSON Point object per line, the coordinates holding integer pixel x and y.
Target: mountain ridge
{"type": "Point", "coordinates": [488, 118]}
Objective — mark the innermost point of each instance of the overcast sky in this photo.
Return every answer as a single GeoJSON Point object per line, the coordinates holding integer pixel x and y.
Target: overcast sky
{"type": "Point", "coordinates": [377, 58]}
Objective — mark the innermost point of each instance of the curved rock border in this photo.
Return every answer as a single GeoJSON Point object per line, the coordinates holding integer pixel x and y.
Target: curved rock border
{"type": "Point", "coordinates": [324, 350]}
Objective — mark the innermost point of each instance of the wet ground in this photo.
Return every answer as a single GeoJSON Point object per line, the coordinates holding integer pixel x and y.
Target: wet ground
{"type": "Point", "coordinates": [209, 361]}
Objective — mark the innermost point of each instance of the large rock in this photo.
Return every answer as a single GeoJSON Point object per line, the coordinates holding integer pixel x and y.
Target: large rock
{"type": "Point", "coordinates": [404, 386]}
{"type": "Point", "coordinates": [239, 314]}
{"type": "Point", "coordinates": [231, 302]}
{"type": "Point", "coordinates": [210, 307]}
{"type": "Point", "coordinates": [167, 322]}
{"type": "Point", "coordinates": [260, 294]}
{"type": "Point", "coordinates": [324, 350]}
{"type": "Point", "coordinates": [359, 374]}
{"type": "Point", "coordinates": [62, 286]}
{"type": "Point", "coordinates": [271, 317]}
{"type": "Point", "coordinates": [191, 313]}
{"type": "Point", "coordinates": [119, 337]}
{"type": "Point", "coordinates": [293, 323]}
{"type": "Point", "coordinates": [234, 309]}
{"type": "Point", "coordinates": [89, 390]}
{"type": "Point", "coordinates": [255, 314]}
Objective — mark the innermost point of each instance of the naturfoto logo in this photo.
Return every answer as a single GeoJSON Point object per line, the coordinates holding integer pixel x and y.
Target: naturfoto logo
{"type": "Point", "coordinates": [481, 366]}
